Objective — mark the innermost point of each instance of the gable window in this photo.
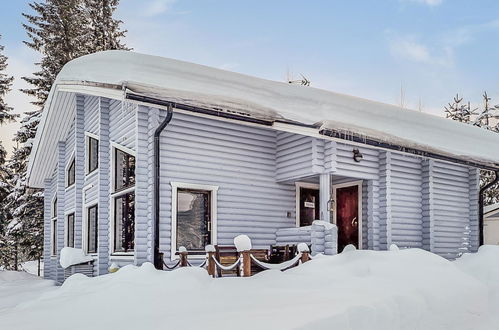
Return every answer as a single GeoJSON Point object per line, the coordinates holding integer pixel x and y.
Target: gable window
{"type": "Point", "coordinates": [92, 229]}
{"type": "Point", "coordinates": [124, 202]}
{"type": "Point", "coordinates": [70, 174]}
{"type": "Point", "coordinates": [70, 231]}
{"type": "Point", "coordinates": [53, 223]}
{"type": "Point", "coordinates": [92, 154]}
{"type": "Point", "coordinates": [194, 217]}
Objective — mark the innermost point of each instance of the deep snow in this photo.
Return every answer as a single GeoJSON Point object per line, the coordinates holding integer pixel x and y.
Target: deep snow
{"type": "Point", "coordinates": [397, 289]}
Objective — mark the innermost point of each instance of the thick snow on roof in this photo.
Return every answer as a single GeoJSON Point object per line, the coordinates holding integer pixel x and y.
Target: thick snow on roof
{"type": "Point", "coordinates": [211, 88]}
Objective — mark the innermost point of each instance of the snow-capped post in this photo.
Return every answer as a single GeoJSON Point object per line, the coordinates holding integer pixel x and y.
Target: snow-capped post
{"type": "Point", "coordinates": [210, 253]}
{"type": "Point", "coordinates": [243, 246]}
{"type": "Point", "coordinates": [182, 251]}
{"type": "Point", "coordinates": [305, 252]}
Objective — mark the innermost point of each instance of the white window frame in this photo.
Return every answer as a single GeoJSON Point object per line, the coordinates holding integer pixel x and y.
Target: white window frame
{"type": "Point", "coordinates": [213, 214]}
{"type": "Point", "coordinates": [89, 135]}
{"type": "Point", "coordinates": [298, 186]}
{"type": "Point", "coordinates": [66, 169]}
{"type": "Point", "coordinates": [114, 254]}
{"type": "Point", "coordinates": [66, 227]}
{"type": "Point", "coordinates": [357, 183]}
{"type": "Point", "coordinates": [84, 231]}
{"type": "Point", "coordinates": [53, 227]}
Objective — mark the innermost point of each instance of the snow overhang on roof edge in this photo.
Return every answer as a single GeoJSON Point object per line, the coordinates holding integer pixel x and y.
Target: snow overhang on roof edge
{"type": "Point", "coordinates": [110, 73]}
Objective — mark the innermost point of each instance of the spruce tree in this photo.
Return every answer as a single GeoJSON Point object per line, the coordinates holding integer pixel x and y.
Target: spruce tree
{"type": "Point", "coordinates": [459, 111]}
{"type": "Point", "coordinates": [488, 116]}
{"type": "Point", "coordinates": [60, 30]}
{"type": "Point", "coordinates": [5, 84]}
{"type": "Point", "coordinates": [104, 29]}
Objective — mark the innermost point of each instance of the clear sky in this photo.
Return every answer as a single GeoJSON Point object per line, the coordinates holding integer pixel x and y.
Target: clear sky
{"type": "Point", "coordinates": [425, 50]}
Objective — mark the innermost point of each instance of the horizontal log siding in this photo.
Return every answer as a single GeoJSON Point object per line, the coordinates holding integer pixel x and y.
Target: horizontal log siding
{"type": "Point", "coordinates": [451, 209]}
{"type": "Point", "coordinates": [122, 121]}
{"type": "Point", "coordinates": [240, 160]}
{"type": "Point", "coordinates": [104, 187]}
{"type": "Point", "coordinates": [92, 114]}
{"type": "Point", "coordinates": [474, 180]}
{"type": "Point", "coordinates": [367, 168]}
{"type": "Point", "coordinates": [406, 201]}
{"type": "Point", "coordinates": [297, 156]}
{"type": "Point", "coordinates": [79, 169]}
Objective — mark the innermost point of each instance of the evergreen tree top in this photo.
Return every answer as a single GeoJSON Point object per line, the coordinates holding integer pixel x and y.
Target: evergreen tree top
{"type": "Point", "coordinates": [5, 86]}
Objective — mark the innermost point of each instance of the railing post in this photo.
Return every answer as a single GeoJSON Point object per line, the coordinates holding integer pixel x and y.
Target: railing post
{"type": "Point", "coordinates": [246, 263]}
{"type": "Point", "coordinates": [182, 251]}
{"type": "Point", "coordinates": [210, 254]}
{"type": "Point", "coordinates": [243, 246]}
{"type": "Point", "coordinates": [305, 252]}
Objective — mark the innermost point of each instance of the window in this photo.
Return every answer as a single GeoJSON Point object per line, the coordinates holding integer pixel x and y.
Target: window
{"type": "Point", "coordinates": [124, 222]}
{"type": "Point", "coordinates": [53, 238]}
{"type": "Point", "coordinates": [70, 231]}
{"type": "Point", "coordinates": [92, 229]}
{"type": "Point", "coordinates": [92, 154]}
{"type": "Point", "coordinates": [124, 170]}
{"type": "Point", "coordinates": [71, 174]}
{"type": "Point", "coordinates": [124, 202]}
{"type": "Point", "coordinates": [193, 217]}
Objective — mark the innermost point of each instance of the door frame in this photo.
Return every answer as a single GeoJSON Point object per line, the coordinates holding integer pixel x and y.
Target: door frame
{"type": "Point", "coordinates": [298, 186]}
{"type": "Point", "coordinates": [357, 183]}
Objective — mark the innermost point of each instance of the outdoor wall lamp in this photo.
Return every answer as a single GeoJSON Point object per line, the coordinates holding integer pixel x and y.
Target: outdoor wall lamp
{"type": "Point", "coordinates": [357, 156]}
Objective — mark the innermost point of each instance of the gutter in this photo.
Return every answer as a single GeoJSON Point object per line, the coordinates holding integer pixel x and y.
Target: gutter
{"type": "Point", "coordinates": [158, 260]}
{"type": "Point", "coordinates": [480, 206]}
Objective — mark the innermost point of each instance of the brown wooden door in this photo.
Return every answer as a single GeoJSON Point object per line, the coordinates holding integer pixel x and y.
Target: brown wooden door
{"type": "Point", "coordinates": [309, 206]}
{"type": "Point", "coordinates": [347, 216]}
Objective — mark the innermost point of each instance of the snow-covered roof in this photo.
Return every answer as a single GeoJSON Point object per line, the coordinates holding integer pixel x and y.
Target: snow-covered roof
{"type": "Point", "coordinates": [491, 211]}
{"type": "Point", "coordinates": [215, 89]}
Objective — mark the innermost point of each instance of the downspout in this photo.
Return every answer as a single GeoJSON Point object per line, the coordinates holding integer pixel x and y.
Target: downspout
{"type": "Point", "coordinates": [158, 262]}
{"type": "Point", "coordinates": [480, 205]}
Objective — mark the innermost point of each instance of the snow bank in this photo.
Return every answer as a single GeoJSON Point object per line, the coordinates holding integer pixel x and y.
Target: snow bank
{"type": "Point", "coordinates": [375, 290]}
{"type": "Point", "coordinates": [71, 256]}
{"type": "Point", "coordinates": [484, 266]}
{"type": "Point", "coordinates": [20, 287]}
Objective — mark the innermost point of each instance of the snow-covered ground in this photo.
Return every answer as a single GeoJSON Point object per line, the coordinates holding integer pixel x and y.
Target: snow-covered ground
{"type": "Point", "coordinates": [406, 289]}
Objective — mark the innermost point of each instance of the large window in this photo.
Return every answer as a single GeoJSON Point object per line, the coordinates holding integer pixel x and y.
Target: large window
{"type": "Point", "coordinates": [92, 154]}
{"type": "Point", "coordinates": [124, 202]}
{"type": "Point", "coordinates": [70, 174]}
{"type": "Point", "coordinates": [92, 229]}
{"type": "Point", "coordinates": [194, 217]}
{"type": "Point", "coordinates": [124, 225]}
{"type": "Point", "coordinates": [70, 231]}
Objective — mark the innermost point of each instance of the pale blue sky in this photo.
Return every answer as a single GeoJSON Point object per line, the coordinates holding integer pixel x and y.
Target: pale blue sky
{"type": "Point", "coordinates": [432, 48]}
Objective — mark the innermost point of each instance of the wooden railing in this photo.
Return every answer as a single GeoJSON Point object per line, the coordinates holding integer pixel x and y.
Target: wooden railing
{"type": "Point", "coordinates": [244, 260]}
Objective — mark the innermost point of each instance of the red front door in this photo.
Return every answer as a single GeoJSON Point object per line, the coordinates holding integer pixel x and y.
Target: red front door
{"type": "Point", "coordinates": [347, 216]}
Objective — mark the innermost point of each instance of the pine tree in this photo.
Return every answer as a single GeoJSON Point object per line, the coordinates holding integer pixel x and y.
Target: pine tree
{"type": "Point", "coordinates": [105, 30]}
{"type": "Point", "coordinates": [488, 116]}
{"type": "Point", "coordinates": [459, 111]}
{"type": "Point", "coordinates": [60, 30]}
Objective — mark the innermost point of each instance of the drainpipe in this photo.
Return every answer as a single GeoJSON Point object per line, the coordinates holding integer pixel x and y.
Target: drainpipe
{"type": "Point", "coordinates": [158, 262]}
{"type": "Point", "coordinates": [480, 205]}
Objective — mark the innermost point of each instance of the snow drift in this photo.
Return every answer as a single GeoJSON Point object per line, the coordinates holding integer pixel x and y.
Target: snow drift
{"type": "Point", "coordinates": [406, 289]}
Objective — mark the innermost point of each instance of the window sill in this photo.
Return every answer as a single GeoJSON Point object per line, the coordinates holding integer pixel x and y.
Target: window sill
{"type": "Point", "coordinates": [90, 175]}
{"type": "Point", "coordinates": [69, 187]}
{"type": "Point", "coordinates": [122, 256]}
